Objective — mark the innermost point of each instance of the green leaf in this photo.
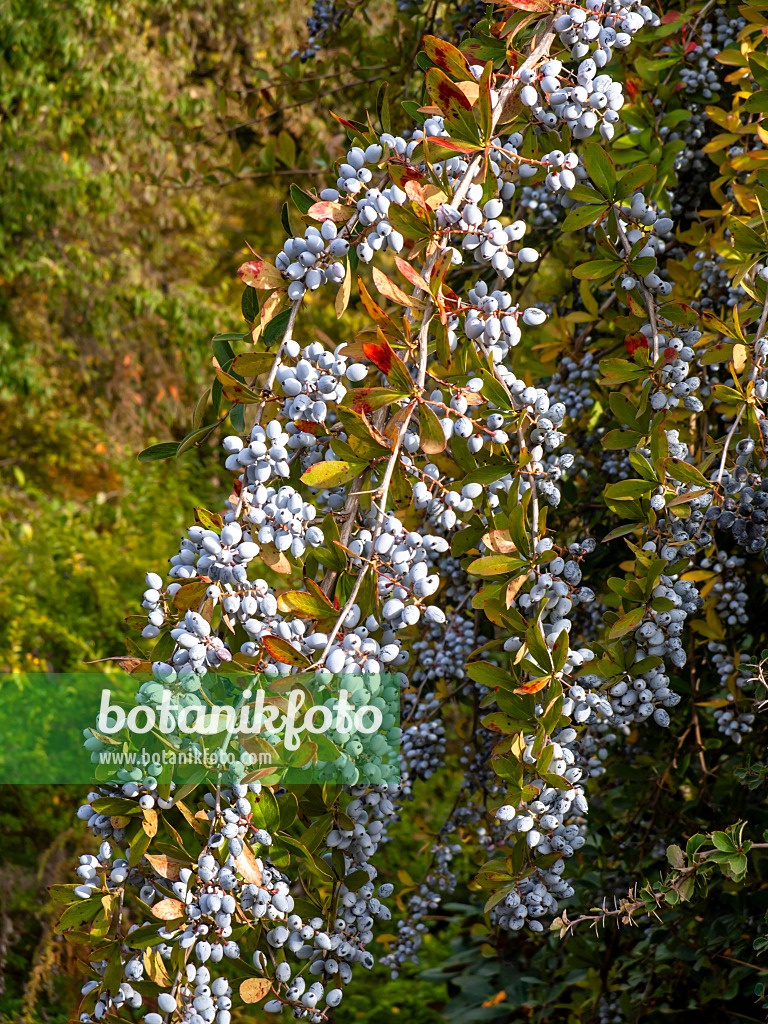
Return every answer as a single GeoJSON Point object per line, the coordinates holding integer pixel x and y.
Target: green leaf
{"type": "Point", "coordinates": [624, 411]}
{"type": "Point", "coordinates": [615, 440]}
{"type": "Point", "coordinates": [487, 474]}
{"type": "Point", "coordinates": [494, 390]}
{"type": "Point", "coordinates": [585, 194]}
{"type": "Point", "coordinates": [620, 371]}
{"type": "Point", "coordinates": [488, 674]}
{"type": "Point", "coordinates": [627, 623]}
{"type": "Point", "coordinates": [643, 265]}
{"type": "Point", "coordinates": [582, 216]}
{"type": "Point", "coordinates": [600, 169]}
{"type": "Point", "coordinates": [597, 270]}
{"type": "Point", "coordinates": [685, 472]}
{"type": "Point", "coordinates": [747, 240]}
{"type": "Point", "coordinates": [190, 439]}
{"type": "Point", "coordinates": [275, 329]}
{"type": "Point", "coordinates": [492, 565]}
{"type": "Point", "coordinates": [430, 431]}
{"type": "Point", "coordinates": [303, 200]}
{"type": "Point", "coordinates": [629, 489]}
{"type": "Point", "coordinates": [63, 893]}
{"type": "Point", "coordinates": [693, 844]}
{"type": "Point", "coordinates": [634, 179]}
{"type": "Point", "coordinates": [738, 866]}
{"type": "Point", "coordinates": [252, 364]}
{"type": "Point", "coordinates": [84, 910]}
{"type": "Point", "coordinates": [537, 646]}
{"type": "Point", "coordinates": [249, 305]}
{"type": "Point", "coordinates": [757, 103]}
{"type": "Point", "coordinates": [723, 842]}
{"type": "Point", "coordinates": [158, 452]}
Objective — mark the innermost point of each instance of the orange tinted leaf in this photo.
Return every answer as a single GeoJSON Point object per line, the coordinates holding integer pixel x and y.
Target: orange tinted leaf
{"type": "Point", "coordinates": [451, 144]}
{"type": "Point", "coordinates": [537, 6]}
{"type": "Point", "coordinates": [372, 308]}
{"type": "Point", "coordinates": [392, 428]}
{"type": "Point", "coordinates": [533, 685]}
{"type": "Point", "coordinates": [430, 431]}
{"type": "Point", "coordinates": [260, 274]}
{"type": "Point", "coordinates": [275, 559]}
{"type": "Point", "coordinates": [500, 542]}
{"type": "Point", "coordinates": [325, 210]}
{"type": "Point", "coordinates": [168, 910]}
{"type": "Point", "coordinates": [164, 866]}
{"type": "Point", "coordinates": [411, 274]}
{"type": "Point", "coordinates": [190, 595]}
{"type": "Point", "coordinates": [445, 93]}
{"type": "Point", "coordinates": [513, 589]}
{"type": "Point", "coordinates": [342, 295]}
{"type": "Point", "coordinates": [391, 291]}
{"type": "Point", "coordinates": [363, 400]}
{"type": "Point", "coordinates": [415, 191]}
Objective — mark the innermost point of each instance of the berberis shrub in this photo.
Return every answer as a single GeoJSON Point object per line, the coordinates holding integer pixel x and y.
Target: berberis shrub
{"type": "Point", "coordinates": [531, 490]}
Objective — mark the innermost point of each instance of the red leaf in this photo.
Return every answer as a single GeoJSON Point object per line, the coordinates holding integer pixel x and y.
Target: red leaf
{"type": "Point", "coordinates": [381, 355]}
{"type": "Point", "coordinates": [633, 342]}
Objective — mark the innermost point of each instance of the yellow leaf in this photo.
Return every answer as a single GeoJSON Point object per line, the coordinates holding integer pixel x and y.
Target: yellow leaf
{"type": "Point", "coordinates": [342, 295]}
